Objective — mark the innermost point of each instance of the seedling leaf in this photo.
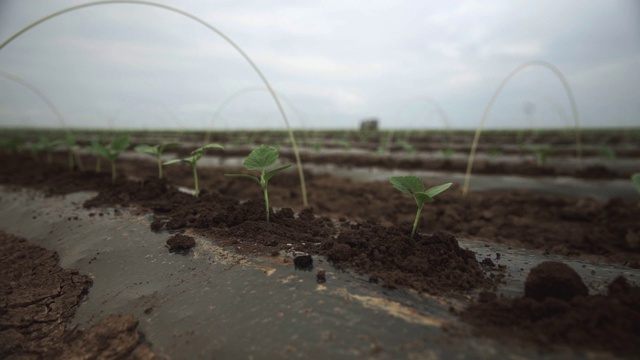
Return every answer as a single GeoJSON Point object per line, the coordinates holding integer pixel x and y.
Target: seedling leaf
{"type": "Point", "coordinates": [636, 180]}
{"type": "Point", "coordinates": [270, 174]}
{"type": "Point", "coordinates": [422, 198]}
{"type": "Point", "coordinates": [120, 143]}
{"type": "Point", "coordinates": [146, 149]}
{"type": "Point", "coordinates": [261, 158]}
{"type": "Point", "coordinates": [432, 192]}
{"type": "Point", "coordinates": [407, 184]}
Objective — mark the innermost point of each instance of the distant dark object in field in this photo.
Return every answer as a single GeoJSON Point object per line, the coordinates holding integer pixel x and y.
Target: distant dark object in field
{"type": "Point", "coordinates": [368, 125]}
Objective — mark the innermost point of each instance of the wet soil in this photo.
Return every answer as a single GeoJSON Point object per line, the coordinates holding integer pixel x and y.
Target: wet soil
{"type": "Point", "coordinates": [359, 226]}
{"type": "Point", "coordinates": [557, 310]}
{"type": "Point", "coordinates": [39, 298]}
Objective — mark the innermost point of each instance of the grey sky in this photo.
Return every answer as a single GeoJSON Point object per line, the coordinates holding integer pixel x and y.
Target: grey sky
{"type": "Point", "coordinates": [335, 62]}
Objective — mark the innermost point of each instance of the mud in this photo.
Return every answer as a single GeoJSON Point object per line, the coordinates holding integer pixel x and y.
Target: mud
{"type": "Point", "coordinates": [37, 302]}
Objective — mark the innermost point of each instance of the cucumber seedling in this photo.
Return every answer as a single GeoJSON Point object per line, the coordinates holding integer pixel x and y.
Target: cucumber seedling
{"type": "Point", "coordinates": [635, 178]}
{"type": "Point", "coordinates": [157, 151]}
{"type": "Point", "coordinates": [260, 159]}
{"type": "Point", "coordinates": [70, 144]}
{"type": "Point", "coordinates": [193, 160]}
{"type": "Point", "coordinates": [111, 151]}
{"type": "Point", "coordinates": [541, 154]}
{"type": "Point", "coordinates": [44, 144]}
{"type": "Point", "coordinates": [412, 185]}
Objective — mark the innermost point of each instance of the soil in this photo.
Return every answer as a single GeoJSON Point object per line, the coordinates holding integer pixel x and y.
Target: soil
{"type": "Point", "coordinates": [552, 315]}
{"type": "Point", "coordinates": [37, 301]}
{"type": "Point", "coordinates": [365, 227]}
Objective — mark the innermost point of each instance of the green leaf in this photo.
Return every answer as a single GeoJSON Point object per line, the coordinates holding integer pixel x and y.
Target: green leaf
{"type": "Point", "coordinates": [407, 184]}
{"type": "Point", "coordinates": [207, 147]}
{"type": "Point", "coordinates": [164, 146]}
{"type": "Point", "coordinates": [146, 149]}
{"type": "Point", "coordinates": [101, 150]}
{"type": "Point", "coordinates": [636, 180]}
{"type": "Point", "coordinates": [270, 173]}
{"type": "Point", "coordinates": [261, 158]}
{"type": "Point", "coordinates": [174, 161]}
{"type": "Point", "coordinates": [120, 144]}
{"type": "Point", "coordinates": [245, 176]}
{"type": "Point", "coordinates": [432, 192]}
{"type": "Point", "coordinates": [422, 198]}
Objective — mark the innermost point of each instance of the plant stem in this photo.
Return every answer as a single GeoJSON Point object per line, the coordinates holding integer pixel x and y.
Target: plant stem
{"type": "Point", "coordinates": [266, 201]}
{"type": "Point", "coordinates": [159, 167]}
{"type": "Point", "coordinates": [195, 180]}
{"type": "Point", "coordinates": [113, 171]}
{"type": "Point", "coordinates": [415, 222]}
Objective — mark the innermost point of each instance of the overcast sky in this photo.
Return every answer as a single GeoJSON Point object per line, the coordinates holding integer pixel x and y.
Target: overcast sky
{"type": "Point", "coordinates": [334, 62]}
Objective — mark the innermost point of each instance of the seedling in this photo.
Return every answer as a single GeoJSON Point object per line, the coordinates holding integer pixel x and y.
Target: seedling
{"type": "Point", "coordinates": [112, 150]}
{"type": "Point", "coordinates": [46, 145]}
{"type": "Point", "coordinates": [260, 159]}
{"type": "Point", "coordinates": [70, 144]}
{"type": "Point", "coordinates": [157, 151]}
{"type": "Point", "coordinates": [412, 185]}
{"type": "Point", "coordinates": [447, 153]}
{"type": "Point", "coordinates": [193, 160]}
{"type": "Point", "coordinates": [541, 154]}
{"type": "Point", "coordinates": [95, 143]}
{"type": "Point", "coordinates": [636, 181]}
{"type": "Point", "coordinates": [607, 152]}
{"type": "Point", "coordinates": [11, 146]}
{"type": "Point", "coordinates": [410, 149]}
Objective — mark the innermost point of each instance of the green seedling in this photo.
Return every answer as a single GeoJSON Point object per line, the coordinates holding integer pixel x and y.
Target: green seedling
{"type": "Point", "coordinates": [635, 178]}
{"type": "Point", "coordinates": [46, 145]}
{"type": "Point", "coordinates": [412, 185]}
{"type": "Point", "coordinates": [112, 150]}
{"type": "Point", "coordinates": [260, 159]}
{"type": "Point", "coordinates": [410, 149]}
{"type": "Point", "coordinates": [70, 144]}
{"type": "Point", "coordinates": [95, 143]}
{"type": "Point", "coordinates": [607, 152]}
{"type": "Point", "coordinates": [541, 154]}
{"type": "Point", "coordinates": [157, 151]}
{"type": "Point", "coordinates": [11, 146]}
{"type": "Point", "coordinates": [193, 161]}
{"type": "Point", "coordinates": [447, 153]}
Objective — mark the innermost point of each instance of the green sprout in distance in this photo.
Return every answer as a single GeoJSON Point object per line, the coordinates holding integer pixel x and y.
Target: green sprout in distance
{"type": "Point", "coordinates": [635, 178]}
{"type": "Point", "coordinates": [157, 151]}
{"type": "Point", "coordinates": [70, 144]}
{"type": "Point", "coordinates": [112, 150]}
{"type": "Point", "coordinates": [260, 159]}
{"type": "Point", "coordinates": [412, 185]}
{"type": "Point", "coordinates": [541, 154]}
{"type": "Point", "coordinates": [193, 160]}
{"type": "Point", "coordinates": [46, 145]}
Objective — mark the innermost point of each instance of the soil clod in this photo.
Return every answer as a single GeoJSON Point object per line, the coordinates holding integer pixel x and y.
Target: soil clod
{"type": "Point", "coordinates": [553, 279]}
{"type": "Point", "coordinates": [180, 242]}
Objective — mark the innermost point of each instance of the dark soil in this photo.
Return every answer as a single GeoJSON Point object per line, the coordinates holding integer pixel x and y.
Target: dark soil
{"type": "Point", "coordinates": [180, 243]}
{"type": "Point", "coordinates": [37, 301]}
{"type": "Point", "coordinates": [550, 316]}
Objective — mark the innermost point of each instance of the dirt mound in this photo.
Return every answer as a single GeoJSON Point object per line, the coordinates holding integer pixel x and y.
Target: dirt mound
{"type": "Point", "coordinates": [599, 322]}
